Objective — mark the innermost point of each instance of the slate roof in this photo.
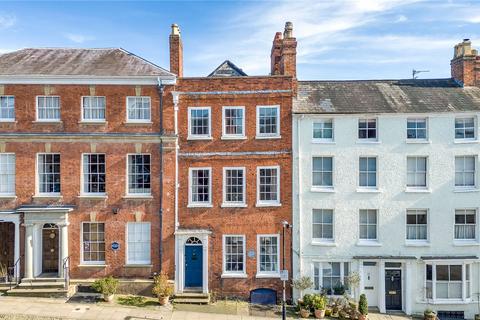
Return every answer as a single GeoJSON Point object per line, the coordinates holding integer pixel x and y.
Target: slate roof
{"type": "Point", "coordinates": [106, 62]}
{"type": "Point", "coordinates": [385, 96]}
{"type": "Point", "coordinates": [227, 69]}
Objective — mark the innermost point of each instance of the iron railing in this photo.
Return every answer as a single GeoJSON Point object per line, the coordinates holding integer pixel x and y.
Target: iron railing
{"type": "Point", "coordinates": [14, 274]}
{"type": "Point", "coordinates": [66, 271]}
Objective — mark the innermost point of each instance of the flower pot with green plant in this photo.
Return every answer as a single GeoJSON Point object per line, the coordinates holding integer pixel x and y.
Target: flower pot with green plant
{"type": "Point", "coordinates": [429, 314]}
{"type": "Point", "coordinates": [3, 272]}
{"type": "Point", "coordinates": [107, 287]}
{"type": "Point", "coordinates": [302, 284]}
{"type": "Point", "coordinates": [363, 307]}
{"type": "Point", "coordinates": [161, 288]}
{"type": "Point", "coordinates": [319, 305]}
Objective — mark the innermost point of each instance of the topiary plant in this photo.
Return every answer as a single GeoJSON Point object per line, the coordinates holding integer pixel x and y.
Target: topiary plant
{"type": "Point", "coordinates": [363, 305]}
{"type": "Point", "coordinates": [106, 286]}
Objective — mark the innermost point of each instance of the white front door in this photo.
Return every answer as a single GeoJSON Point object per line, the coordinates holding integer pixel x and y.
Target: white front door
{"type": "Point", "coordinates": [370, 282]}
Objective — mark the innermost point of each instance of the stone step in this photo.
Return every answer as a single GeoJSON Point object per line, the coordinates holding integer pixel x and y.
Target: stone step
{"type": "Point", "coordinates": [39, 293]}
{"type": "Point", "coordinates": [40, 285]}
{"type": "Point", "coordinates": [43, 279]}
{"type": "Point", "coordinates": [191, 301]}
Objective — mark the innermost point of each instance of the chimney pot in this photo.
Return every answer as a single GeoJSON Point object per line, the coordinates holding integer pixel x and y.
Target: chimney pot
{"type": "Point", "coordinates": [175, 29]}
{"type": "Point", "coordinates": [288, 33]}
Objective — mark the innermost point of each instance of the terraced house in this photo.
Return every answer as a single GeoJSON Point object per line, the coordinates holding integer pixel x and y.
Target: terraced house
{"type": "Point", "coordinates": [386, 180]}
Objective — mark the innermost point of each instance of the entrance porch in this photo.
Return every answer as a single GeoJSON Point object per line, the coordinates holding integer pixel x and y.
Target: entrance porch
{"type": "Point", "coordinates": [10, 244]}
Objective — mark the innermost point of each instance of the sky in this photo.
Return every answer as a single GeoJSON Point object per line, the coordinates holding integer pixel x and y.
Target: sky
{"type": "Point", "coordinates": [337, 39]}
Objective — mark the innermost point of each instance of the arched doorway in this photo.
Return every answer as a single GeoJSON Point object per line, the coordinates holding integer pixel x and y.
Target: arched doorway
{"type": "Point", "coordinates": [50, 244]}
{"type": "Point", "coordinates": [193, 263]}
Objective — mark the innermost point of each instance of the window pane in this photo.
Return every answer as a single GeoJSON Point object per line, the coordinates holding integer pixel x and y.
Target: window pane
{"type": "Point", "coordinates": [139, 174]}
{"type": "Point", "coordinates": [268, 119]}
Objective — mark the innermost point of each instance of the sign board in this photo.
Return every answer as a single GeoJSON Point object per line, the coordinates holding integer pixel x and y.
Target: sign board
{"type": "Point", "coordinates": [251, 253]}
{"type": "Point", "coordinates": [284, 275]}
{"type": "Point", "coordinates": [115, 246]}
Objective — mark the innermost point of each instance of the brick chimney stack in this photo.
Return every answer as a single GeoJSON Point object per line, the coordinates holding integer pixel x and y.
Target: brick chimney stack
{"type": "Point", "coordinates": [176, 51]}
{"type": "Point", "coordinates": [284, 53]}
{"type": "Point", "coordinates": [465, 65]}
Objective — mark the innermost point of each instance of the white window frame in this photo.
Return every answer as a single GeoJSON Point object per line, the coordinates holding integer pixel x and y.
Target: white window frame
{"type": "Point", "coordinates": [322, 121]}
{"type": "Point", "coordinates": [231, 136]}
{"type": "Point", "coordinates": [475, 128]}
{"type": "Point", "coordinates": [127, 257]}
{"type": "Point", "coordinates": [268, 274]}
{"type": "Point", "coordinates": [320, 273]}
{"type": "Point", "coordinates": [427, 175]}
{"type": "Point", "coordinates": [128, 120]}
{"type": "Point", "coordinates": [10, 194]}
{"type": "Point", "coordinates": [99, 120]}
{"type": "Point", "coordinates": [376, 139]}
{"type": "Point", "coordinates": [267, 135]}
{"type": "Point", "coordinates": [82, 177]}
{"type": "Point", "coordinates": [267, 203]}
{"type": "Point", "coordinates": [367, 240]}
{"type": "Point", "coordinates": [465, 282]}
{"type": "Point", "coordinates": [417, 119]}
{"type": "Point", "coordinates": [7, 97]}
{"type": "Point", "coordinates": [324, 240]}
{"type": "Point", "coordinates": [83, 262]}
{"type": "Point", "coordinates": [191, 136]}
{"type": "Point", "coordinates": [59, 109]}
{"type": "Point", "coordinates": [234, 203]}
{"type": "Point", "coordinates": [475, 173]}
{"type": "Point", "coordinates": [191, 203]}
{"type": "Point", "coordinates": [320, 187]}
{"type": "Point", "coordinates": [376, 173]}
{"type": "Point", "coordinates": [234, 274]}
{"type": "Point", "coordinates": [466, 241]}
{"type": "Point", "coordinates": [37, 175]}
{"type": "Point", "coordinates": [416, 211]}
{"type": "Point", "coordinates": [127, 188]}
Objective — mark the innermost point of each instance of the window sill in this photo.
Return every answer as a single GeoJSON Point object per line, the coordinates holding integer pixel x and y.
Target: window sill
{"type": "Point", "coordinates": [92, 265]}
{"type": "Point", "coordinates": [260, 204]}
{"type": "Point", "coordinates": [8, 121]}
{"type": "Point", "coordinates": [366, 141]}
{"type": "Point", "coordinates": [93, 123]}
{"type": "Point", "coordinates": [233, 205]}
{"type": "Point", "coordinates": [368, 190]}
{"type": "Point", "coordinates": [137, 197]}
{"type": "Point", "coordinates": [233, 138]}
{"type": "Point", "coordinates": [464, 141]}
{"type": "Point", "coordinates": [93, 196]}
{"type": "Point", "coordinates": [267, 137]}
{"type": "Point", "coordinates": [418, 190]}
{"type": "Point", "coordinates": [47, 196]}
{"type": "Point", "coordinates": [200, 205]}
{"type": "Point", "coordinates": [138, 266]}
{"type": "Point", "coordinates": [368, 243]}
{"type": "Point", "coordinates": [323, 243]}
{"type": "Point", "coordinates": [465, 190]}
{"type": "Point", "coordinates": [418, 243]}
{"type": "Point", "coordinates": [267, 276]}
{"type": "Point", "coordinates": [318, 141]}
{"type": "Point", "coordinates": [7, 196]}
{"type": "Point", "coordinates": [193, 138]}
{"type": "Point", "coordinates": [445, 301]}
{"type": "Point", "coordinates": [322, 190]}
{"type": "Point", "coordinates": [417, 141]}
{"type": "Point", "coordinates": [465, 243]}
{"type": "Point", "coordinates": [47, 122]}
{"type": "Point", "coordinates": [138, 123]}
{"type": "Point", "coordinates": [234, 276]}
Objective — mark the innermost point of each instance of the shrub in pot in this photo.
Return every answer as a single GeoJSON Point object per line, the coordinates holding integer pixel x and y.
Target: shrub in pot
{"type": "Point", "coordinates": [363, 307]}
{"type": "Point", "coordinates": [106, 286]}
{"type": "Point", "coordinates": [303, 309]}
{"type": "Point", "coordinates": [161, 288]}
{"type": "Point", "coordinates": [319, 304]}
{"type": "Point", "coordinates": [429, 314]}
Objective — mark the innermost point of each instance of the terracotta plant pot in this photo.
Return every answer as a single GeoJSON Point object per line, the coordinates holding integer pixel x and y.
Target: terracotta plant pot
{"type": "Point", "coordinates": [328, 312]}
{"type": "Point", "coordinates": [430, 316]}
{"type": "Point", "coordinates": [108, 298]}
{"type": "Point", "coordinates": [163, 300]}
{"type": "Point", "coordinates": [304, 313]}
{"type": "Point", "coordinates": [319, 314]}
{"type": "Point", "coordinates": [362, 317]}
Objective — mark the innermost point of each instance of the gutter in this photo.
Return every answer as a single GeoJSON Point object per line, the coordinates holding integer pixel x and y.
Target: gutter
{"type": "Point", "coordinates": [160, 246]}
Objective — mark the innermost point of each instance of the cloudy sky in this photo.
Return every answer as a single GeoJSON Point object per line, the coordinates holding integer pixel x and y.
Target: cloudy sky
{"type": "Point", "coordinates": [337, 39]}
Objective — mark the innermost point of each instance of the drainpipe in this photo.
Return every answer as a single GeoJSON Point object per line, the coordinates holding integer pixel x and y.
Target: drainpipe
{"type": "Point", "coordinates": [160, 247]}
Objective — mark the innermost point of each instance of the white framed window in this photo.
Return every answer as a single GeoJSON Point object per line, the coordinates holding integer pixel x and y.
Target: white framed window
{"type": "Point", "coordinates": [138, 109]}
{"type": "Point", "coordinates": [93, 243]}
{"type": "Point", "coordinates": [139, 174]}
{"type": "Point", "coordinates": [234, 257]}
{"type": "Point", "coordinates": [323, 130]}
{"type": "Point", "coordinates": [417, 225]}
{"type": "Point", "coordinates": [368, 224]}
{"type": "Point", "coordinates": [417, 129]}
{"type": "Point", "coordinates": [94, 174]}
{"type": "Point", "coordinates": [200, 187]}
{"type": "Point", "coordinates": [322, 172]}
{"type": "Point", "coordinates": [465, 172]}
{"type": "Point", "coordinates": [448, 281]}
{"type": "Point", "coordinates": [465, 224]}
{"type": "Point", "coordinates": [233, 119]}
{"type": "Point", "coordinates": [234, 186]}
{"type": "Point", "coordinates": [367, 129]}
{"type": "Point", "coordinates": [7, 108]}
{"type": "Point", "coordinates": [416, 172]}
{"type": "Point", "coordinates": [138, 243]}
{"type": "Point", "coordinates": [322, 225]}
{"type": "Point", "coordinates": [465, 128]}
{"type": "Point", "coordinates": [331, 277]}
{"type": "Point", "coordinates": [367, 172]}
{"type": "Point", "coordinates": [48, 108]}
{"type": "Point", "coordinates": [7, 174]}
{"type": "Point", "coordinates": [199, 123]}
{"type": "Point", "coordinates": [268, 185]}
{"type": "Point", "coordinates": [268, 257]}
{"type": "Point", "coordinates": [93, 108]}
{"type": "Point", "coordinates": [268, 121]}
{"type": "Point", "coordinates": [48, 170]}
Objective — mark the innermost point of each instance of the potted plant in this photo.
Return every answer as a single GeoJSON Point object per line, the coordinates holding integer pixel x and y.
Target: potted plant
{"type": "Point", "coordinates": [363, 307]}
{"type": "Point", "coordinates": [352, 281]}
{"type": "Point", "coordinates": [339, 290]}
{"type": "Point", "coordinates": [161, 288]}
{"type": "Point", "coordinates": [304, 310]}
{"type": "Point", "coordinates": [106, 286]}
{"type": "Point", "coordinates": [319, 304]}
{"type": "Point", "coordinates": [429, 314]}
{"type": "Point", "coordinates": [302, 284]}
{"type": "Point", "coordinates": [4, 272]}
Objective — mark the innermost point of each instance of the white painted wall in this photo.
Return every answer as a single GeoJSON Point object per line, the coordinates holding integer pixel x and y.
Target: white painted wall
{"type": "Point", "coordinates": [391, 200]}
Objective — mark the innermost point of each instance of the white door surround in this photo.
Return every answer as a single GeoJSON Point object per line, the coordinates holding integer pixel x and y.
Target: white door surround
{"type": "Point", "coordinates": [181, 237]}
{"type": "Point", "coordinates": [10, 216]}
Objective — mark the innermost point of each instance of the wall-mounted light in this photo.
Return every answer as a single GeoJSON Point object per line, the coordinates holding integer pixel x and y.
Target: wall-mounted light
{"type": "Point", "coordinates": [115, 210]}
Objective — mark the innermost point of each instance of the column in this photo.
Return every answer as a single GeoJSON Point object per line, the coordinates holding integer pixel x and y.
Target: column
{"type": "Point", "coordinates": [205, 263]}
{"type": "Point", "coordinates": [408, 287]}
{"type": "Point", "coordinates": [381, 287]}
{"type": "Point", "coordinates": [29, 251]}
{"type": "Point", "coordinates": [361, 285]}
{"type": "Point", "coordinates": [63, 247]}
{"type": "Point", "coordinates": [17, 249]}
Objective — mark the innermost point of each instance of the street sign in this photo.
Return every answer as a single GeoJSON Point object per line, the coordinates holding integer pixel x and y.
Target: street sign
{"type": "Point", "coordinates": [115, 246]}
{"type": "Point", "coordinates": [284, 275]}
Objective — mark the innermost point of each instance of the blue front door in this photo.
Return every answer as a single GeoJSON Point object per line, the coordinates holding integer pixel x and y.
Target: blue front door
{"type": "Point", "coordinates": [193, 266]}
